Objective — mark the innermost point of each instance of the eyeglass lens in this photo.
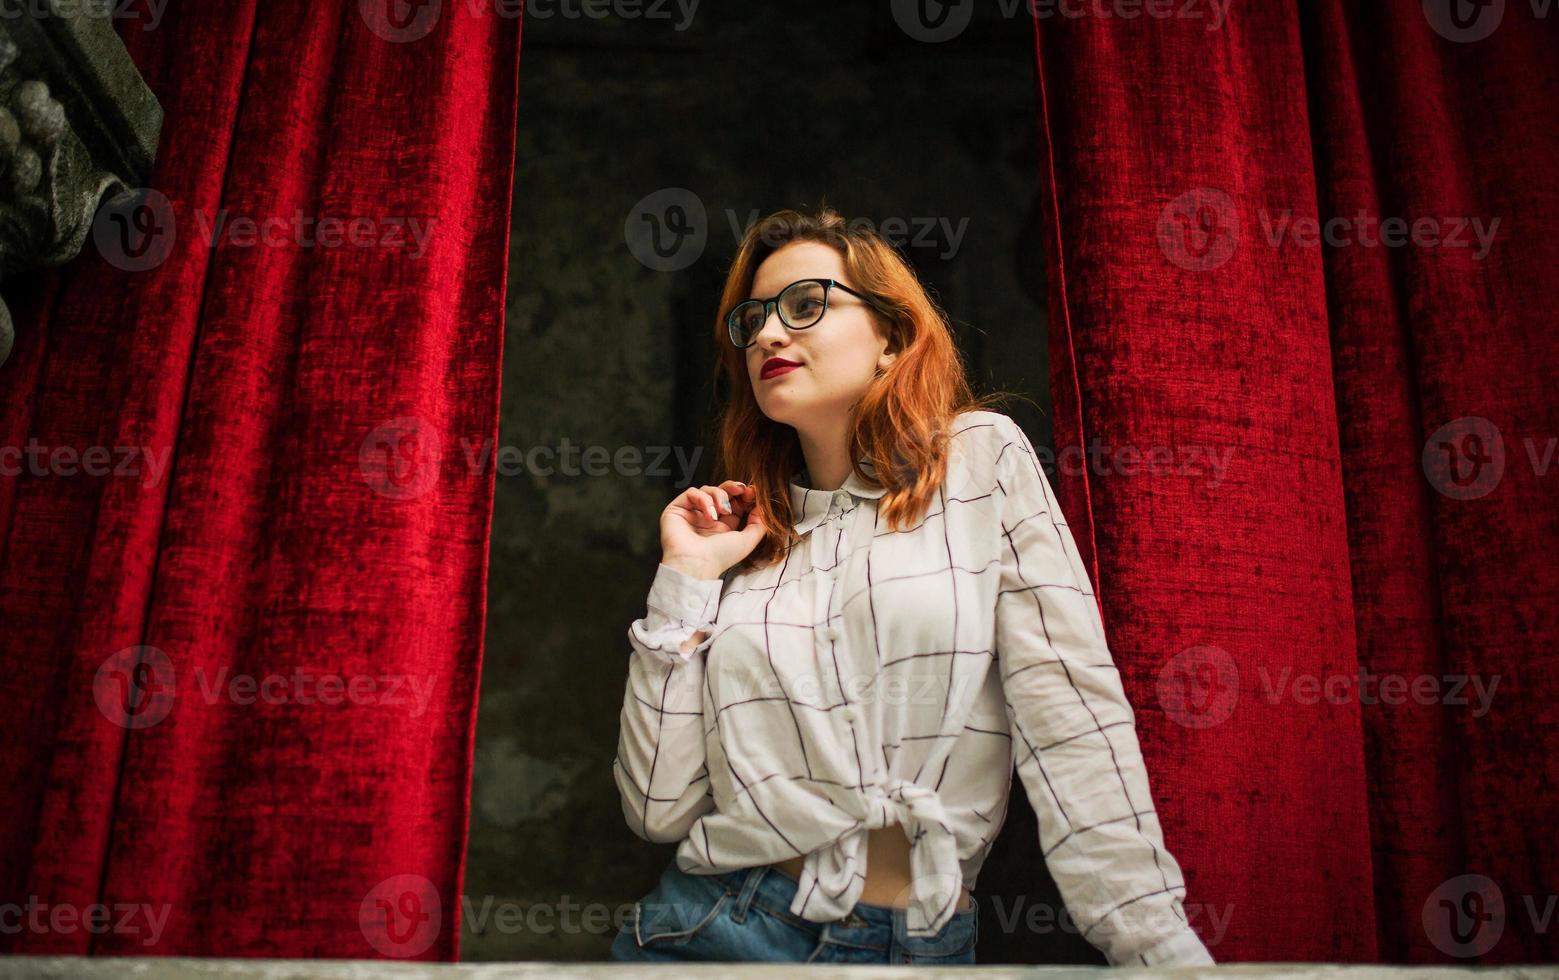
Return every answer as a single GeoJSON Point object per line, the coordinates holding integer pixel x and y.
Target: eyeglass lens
{"type": "Point", "coordinates": [801, 305]}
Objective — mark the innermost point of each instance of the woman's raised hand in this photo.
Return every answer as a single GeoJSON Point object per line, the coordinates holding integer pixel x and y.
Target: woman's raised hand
{"type": "Point", "coordinates": [705, 530]}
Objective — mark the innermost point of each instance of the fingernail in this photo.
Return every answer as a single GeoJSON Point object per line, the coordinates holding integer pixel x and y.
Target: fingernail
{"type": "Point", "coordinates": [725, 505]}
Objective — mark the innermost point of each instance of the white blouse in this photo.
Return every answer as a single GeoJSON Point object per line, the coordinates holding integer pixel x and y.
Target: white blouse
{"type": "Point", "coordinates": [874, 677]}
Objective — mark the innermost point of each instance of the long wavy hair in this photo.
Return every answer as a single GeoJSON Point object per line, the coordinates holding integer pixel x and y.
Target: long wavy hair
{"type": "Point", "coordinates": [902, 422]}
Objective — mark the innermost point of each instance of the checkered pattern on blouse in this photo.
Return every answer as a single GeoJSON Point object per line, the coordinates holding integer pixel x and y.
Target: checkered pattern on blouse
{"type": "Point", "coordinates": [876, 677]}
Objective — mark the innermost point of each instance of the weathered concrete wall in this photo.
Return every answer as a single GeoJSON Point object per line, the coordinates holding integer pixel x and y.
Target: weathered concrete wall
{"type": "Point", "coordinates": [751, 107]}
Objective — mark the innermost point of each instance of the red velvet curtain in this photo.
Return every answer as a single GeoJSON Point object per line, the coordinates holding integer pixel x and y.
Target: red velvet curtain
{"type": "Point", "coordinates": [1304, 630]}
{"type": "Point", "coordinates": [242, 558]}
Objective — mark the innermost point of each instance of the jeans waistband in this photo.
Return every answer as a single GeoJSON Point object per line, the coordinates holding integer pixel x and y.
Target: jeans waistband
{"type": "Point", "coordinates": [774, 890]}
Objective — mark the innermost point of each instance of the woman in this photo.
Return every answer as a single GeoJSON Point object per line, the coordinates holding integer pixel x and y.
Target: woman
{"type": "Point", "coordinates": [843, 658]}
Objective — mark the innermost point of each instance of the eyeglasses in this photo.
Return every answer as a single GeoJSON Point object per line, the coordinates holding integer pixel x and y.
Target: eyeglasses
{"type": "Point", "coordinates": [801, 305]}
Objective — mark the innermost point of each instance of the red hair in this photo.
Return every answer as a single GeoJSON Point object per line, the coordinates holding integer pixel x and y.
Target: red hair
{"type": "Point", "coordinates": [901, 423]}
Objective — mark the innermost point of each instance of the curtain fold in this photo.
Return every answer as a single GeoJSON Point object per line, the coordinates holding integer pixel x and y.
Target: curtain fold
{"type": "Point", "coordinates": [244, 655]}
{"type": "Point", "coordinates": [1341, 643]}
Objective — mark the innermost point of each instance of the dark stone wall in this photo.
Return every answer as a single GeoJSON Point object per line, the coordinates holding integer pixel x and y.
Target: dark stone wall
{"type": "Point", "coordinates": [741, 110]}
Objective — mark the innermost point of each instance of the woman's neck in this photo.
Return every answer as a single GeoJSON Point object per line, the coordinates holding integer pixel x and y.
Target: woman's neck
{"type": "Point", "coordinates": [827, 455]}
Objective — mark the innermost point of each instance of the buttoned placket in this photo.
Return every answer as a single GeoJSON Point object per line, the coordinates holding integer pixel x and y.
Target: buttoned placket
{"type": "Point", "coordinates": [833, 552]}
{"type": "Point", "coordinates": [841, 523]}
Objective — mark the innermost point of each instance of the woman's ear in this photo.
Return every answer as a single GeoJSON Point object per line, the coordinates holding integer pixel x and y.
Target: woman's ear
{"type": "Point", "coordinates": [892, 338]}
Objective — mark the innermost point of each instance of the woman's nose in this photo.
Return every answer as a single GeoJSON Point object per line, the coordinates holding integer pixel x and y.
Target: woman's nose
{"type": "Point", "coordinates": [773, 331]}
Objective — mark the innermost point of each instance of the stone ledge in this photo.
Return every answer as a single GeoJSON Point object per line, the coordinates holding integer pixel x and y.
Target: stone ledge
{"type": "Point", "coordinates": [193, 968]}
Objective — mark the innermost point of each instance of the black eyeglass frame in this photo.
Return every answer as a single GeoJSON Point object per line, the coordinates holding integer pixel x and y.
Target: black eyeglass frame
{"type": "Point", "coordinates": [771, 305]}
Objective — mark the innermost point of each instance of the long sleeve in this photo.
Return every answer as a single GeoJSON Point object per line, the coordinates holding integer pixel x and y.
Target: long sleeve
{"type": "Point", "coordinates": [1074, 736]}
{"type": "Point", "coordinates": [660, 768]}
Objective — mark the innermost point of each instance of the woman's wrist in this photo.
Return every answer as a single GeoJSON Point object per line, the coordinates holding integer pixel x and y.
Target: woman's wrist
{"type": "Point", "coordinates": [694, 567]}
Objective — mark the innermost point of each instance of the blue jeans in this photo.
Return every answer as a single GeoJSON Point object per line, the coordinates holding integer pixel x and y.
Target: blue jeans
{"type": "Point", "coordinates": [744, 916]}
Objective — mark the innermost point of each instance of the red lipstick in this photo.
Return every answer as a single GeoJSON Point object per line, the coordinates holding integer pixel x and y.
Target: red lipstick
{"type": "Point", "coordinates": [776, 366]}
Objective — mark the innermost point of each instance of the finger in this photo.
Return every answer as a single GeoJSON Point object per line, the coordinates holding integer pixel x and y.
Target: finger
{"type": "Point", "coordinates": [741, 492]}
{"type": "Point", "coordinates": [705, 503]}
{"type": "Point", "coordinates": [690, 505]}
{"type": "Point", "coordinates": [755, 525]}
{"type": "Point", "coordinates": [722, 500]}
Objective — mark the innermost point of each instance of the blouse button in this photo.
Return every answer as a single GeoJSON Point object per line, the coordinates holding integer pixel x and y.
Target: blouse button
{"type": "Point", "coordinates": [848, 713]}
{"type": "Point", "coordinates": [830, 633]}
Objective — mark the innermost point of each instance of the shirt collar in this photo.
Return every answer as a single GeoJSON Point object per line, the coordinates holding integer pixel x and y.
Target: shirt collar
{"type": "Point", "coordinates": [810, 507]}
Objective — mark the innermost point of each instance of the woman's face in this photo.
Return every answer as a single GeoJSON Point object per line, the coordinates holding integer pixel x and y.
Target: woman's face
{"type": "Point", "coordinates": [839, 354]}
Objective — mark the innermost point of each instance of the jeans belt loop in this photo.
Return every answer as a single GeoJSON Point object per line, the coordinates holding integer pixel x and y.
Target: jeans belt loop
{"type": "Point", "coordinates": [749, 890]}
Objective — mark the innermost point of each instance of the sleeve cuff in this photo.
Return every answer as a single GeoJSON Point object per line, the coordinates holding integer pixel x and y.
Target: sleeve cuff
{"type": "Point", "coordinates": [679, 606]}
{"type": "Point", "coordinates": [682, 598]}
{"type": "Point", "coordinates": [1184, 948]}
